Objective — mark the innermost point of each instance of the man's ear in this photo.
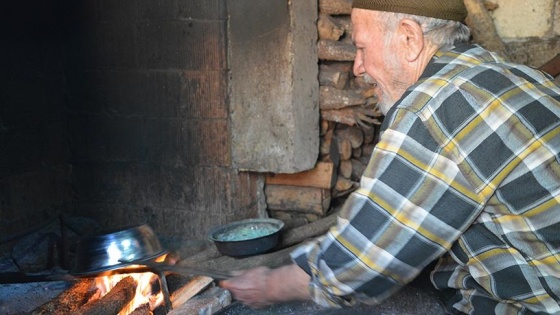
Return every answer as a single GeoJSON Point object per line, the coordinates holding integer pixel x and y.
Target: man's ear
{"type": "Point", "coordinates": [411, 38]}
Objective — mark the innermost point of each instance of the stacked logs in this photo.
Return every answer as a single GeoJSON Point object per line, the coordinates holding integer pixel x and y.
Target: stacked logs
{"type": "Point", "coordinates": [349, 127]}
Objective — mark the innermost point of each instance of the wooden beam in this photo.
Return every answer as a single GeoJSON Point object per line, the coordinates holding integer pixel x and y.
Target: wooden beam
{"type": "Point", "coordinates": [298, 199]}
{"type": "Point", "coordinates": [321, 176]}
{"type": "Point", "coordinates": [335, 7]}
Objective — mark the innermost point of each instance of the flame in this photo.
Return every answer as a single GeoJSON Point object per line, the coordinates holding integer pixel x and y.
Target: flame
{"type": "Point", "coordinates": [143, 295]}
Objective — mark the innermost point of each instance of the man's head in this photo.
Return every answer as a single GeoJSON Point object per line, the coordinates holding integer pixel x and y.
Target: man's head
{"type": "Point", "coordinates": [453, 10]}
{"type": "Point", "coordinates": [397, 38]}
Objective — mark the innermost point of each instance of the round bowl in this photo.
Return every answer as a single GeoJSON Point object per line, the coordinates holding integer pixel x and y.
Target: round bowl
{"type": "Point", "coordinates": [107, 251]}
{"type": "Point", "coordinates": [247, 237]}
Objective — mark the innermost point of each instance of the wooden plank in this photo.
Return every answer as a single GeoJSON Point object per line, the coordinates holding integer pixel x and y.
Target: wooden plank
{"type": "Point", "coordinates": [301, 199]}
{"type": "Point", "coordinates": [192, 288]}
{"type": "Point", "coordinates": [321, 176]}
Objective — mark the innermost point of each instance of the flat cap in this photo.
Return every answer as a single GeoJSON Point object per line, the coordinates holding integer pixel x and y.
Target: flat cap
{"type": "Point", "coordinates": [442, 9]}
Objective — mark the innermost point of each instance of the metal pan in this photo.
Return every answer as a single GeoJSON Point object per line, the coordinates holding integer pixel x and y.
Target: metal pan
{"type": "Point", "coordinates": [108, 251]}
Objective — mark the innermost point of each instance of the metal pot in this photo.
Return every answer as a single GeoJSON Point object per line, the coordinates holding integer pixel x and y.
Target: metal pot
{"type": "Point", "coordinates": [247, 237]}
{"type": "Point", "coordinates": [108, 251]}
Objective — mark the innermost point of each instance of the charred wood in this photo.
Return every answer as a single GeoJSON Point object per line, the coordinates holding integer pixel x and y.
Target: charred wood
{"type": "Point", "coordinates": [113, 302]}
{"type": "Point", "coordinates": [143, 309]}
{"type": "Point", "coordinates": [69, 300]}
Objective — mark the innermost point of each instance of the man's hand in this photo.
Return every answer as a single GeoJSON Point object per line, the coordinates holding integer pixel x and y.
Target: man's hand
{"type": "Point", "coordinates": [260, 287]}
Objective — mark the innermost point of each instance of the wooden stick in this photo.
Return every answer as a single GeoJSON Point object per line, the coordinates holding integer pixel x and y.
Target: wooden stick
{"type": "Point", "coordinates": [482, 27]}
{"type": "Point", "coordinates": [272, 260]}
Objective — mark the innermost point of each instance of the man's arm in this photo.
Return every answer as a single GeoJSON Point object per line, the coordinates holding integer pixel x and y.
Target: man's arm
{"type": "Point", "coordinates": [263, 286]}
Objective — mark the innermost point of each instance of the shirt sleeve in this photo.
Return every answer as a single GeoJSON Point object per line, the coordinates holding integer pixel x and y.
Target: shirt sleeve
{"type": "Point", "coordinates": [412, 204]}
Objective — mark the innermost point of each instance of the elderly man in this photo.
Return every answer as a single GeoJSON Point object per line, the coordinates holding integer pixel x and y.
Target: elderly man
{"type": "Point", "coordinates": [466, 172]}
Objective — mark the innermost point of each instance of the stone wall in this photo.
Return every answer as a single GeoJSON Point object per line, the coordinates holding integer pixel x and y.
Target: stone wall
{"type": "Point", "coordinates": [150, 111]}
{"type": "Point", "coordinates": [530, 29]}
{"type": "Point", "coordinates": [35, 164]}
{"type": "Point", "coordinates": [147, 101]}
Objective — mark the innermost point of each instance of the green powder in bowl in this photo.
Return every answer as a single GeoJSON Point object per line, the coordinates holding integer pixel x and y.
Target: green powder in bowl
{"type": "Point", "coordinates": [246, 232]}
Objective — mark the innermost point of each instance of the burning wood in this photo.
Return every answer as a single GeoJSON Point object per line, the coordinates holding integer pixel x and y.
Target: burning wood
{"type": "Point", "coordinates": [113, 302]}
{"type": "Point", "coordinates": [142, 310]}
{"type": "Point", "coordinates": [69, 300]}
{"type": "Point", "coordinates": [129, 294]}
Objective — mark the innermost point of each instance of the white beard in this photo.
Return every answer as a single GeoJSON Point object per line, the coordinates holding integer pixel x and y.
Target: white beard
{"type": "Point", "coordinates": [384, 103]}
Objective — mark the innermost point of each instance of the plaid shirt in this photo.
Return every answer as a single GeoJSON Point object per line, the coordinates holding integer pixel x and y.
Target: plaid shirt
{"type": "Point", "coordinates": [466, 170]}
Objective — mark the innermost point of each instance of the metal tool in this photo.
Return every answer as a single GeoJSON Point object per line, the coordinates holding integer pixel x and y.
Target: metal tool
{"type": "Point", "coordinates": [157, 267]}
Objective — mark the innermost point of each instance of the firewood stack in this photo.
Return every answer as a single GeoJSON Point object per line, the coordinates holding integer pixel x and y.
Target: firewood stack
{"type": "Point", "coordinates": [349, 127]}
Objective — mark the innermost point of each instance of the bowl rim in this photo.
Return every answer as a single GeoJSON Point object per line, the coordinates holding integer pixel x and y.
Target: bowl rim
{"type": "Point", "coordinates": [278, 225]}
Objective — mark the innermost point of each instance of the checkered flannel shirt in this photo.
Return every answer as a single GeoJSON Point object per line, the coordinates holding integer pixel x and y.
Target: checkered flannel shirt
{"type": "Point", "coordinates": [467, 171]}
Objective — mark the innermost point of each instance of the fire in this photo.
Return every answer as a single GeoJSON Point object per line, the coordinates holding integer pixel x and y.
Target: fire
{"type": "Point", "coordinates": [143, 295]}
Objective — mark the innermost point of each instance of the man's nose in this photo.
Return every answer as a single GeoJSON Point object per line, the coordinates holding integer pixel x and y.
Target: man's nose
{"type": "Point", "coordinates": [358, 67]}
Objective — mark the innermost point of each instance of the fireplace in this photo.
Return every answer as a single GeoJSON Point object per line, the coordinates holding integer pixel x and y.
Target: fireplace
{"type": "Point", "coordinates": [184, 115]}
{"type": "Point", "coordinates": [144, 112]}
